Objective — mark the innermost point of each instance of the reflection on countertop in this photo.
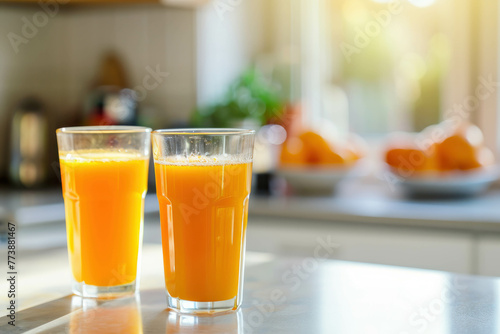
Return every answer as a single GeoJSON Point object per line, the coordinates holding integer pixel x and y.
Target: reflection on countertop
{"type": "Point", "coordinates": [292, 295]}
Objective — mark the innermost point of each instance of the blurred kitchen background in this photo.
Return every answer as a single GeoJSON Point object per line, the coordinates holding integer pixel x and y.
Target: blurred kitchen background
{"type": "Point", "coordinates": [342, 93]}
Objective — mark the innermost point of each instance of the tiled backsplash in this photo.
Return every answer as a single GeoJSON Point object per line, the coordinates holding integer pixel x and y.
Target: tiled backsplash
{"type": "Point", "coordinates": [60, 61]}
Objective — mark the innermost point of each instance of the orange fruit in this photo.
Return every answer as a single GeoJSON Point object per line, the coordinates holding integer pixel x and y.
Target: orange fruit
{"type": "Point", "coordinates": [319, 150]}
{"type": "Point", "coordinates": [458, 151]}
{"type": "Point", "coordinates": [409, 160]}
{"type": "Point", "coordinates": [313, 149]}
{"type": "Point", "coordinates": [293, 152]}
{"type": "Point", "coordinates": [330, 158]}
{"type": "Point", "coordinates": [440, 147]}
{"type": "Point", "coordinates": [483, 157]}
{"type": "Point", "coordinates": [315, 146]}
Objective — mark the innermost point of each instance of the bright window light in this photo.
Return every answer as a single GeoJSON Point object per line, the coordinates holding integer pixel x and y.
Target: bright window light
{"type": "Point", "coordinates": [422, 3]}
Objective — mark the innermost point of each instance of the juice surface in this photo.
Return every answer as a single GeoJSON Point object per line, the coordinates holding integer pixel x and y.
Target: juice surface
{"type": "Point", "coordinates": [104, 204]}
{"type": "Point", "coordinates": [203, 212]}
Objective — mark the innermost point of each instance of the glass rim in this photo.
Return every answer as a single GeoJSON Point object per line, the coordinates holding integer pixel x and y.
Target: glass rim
{"type": "Point", "coordinates": [96, 129]}
{"type": "Point", "coordinates": [204, 132]}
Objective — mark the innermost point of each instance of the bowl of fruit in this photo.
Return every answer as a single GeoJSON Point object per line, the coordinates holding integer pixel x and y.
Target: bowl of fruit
{"type": "Point", "coordinates": [313, 164]}
{"type": "Point", "coordinates": [442, 161]}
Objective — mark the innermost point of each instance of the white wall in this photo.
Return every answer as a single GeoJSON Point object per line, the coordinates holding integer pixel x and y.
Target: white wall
{"type": "Point", "coordinates": [229, 36]}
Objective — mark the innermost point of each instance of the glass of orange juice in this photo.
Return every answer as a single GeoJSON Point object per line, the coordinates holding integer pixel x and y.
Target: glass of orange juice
{"type": "Point", "coordinates": [104, 172]}
{"type": "Point", "coordinates": [203, 179]}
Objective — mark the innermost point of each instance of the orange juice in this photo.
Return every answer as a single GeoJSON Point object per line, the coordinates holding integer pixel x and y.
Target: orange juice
{"type": "Point", "coordinates": [104, 203]}
{"type": "Point", "coordinates": [203, 212]}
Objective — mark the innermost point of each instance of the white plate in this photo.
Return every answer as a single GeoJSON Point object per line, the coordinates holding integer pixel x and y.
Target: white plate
{"type": "Point", "coordinates": [449, 184]}
{"type": "Point", "coordinates": [316, 180]}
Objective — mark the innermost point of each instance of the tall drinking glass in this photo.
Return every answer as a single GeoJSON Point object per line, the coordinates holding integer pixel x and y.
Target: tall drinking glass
{"type": "Point", "coordinates": [203, 179]}
{"type": "Point", "coordinates": [104, 172]}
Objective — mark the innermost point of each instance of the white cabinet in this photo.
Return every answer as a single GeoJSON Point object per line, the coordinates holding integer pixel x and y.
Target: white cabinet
{"type": "Point", "coordinates": [392, 245]}
{"type": "Point", "coordinates": [489, 255]}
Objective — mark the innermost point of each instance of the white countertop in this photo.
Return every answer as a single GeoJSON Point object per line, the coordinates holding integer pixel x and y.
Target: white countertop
{"type": "Point", "coordinates": [281, 295]}
{"type": "Point", "coordinates": [372, 203]}
{"type": "Point", "coordinates": [377, 204]}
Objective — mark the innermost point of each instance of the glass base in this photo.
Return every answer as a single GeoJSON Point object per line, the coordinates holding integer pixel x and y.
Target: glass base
{"type": "Point", "coordinates": [200, 308]}
{"type": "Point", "coordinates": [104, 292]}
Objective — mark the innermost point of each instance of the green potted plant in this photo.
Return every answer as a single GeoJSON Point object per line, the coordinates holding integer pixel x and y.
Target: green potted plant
{"type": "Point", "coordinates": [251, 99]}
